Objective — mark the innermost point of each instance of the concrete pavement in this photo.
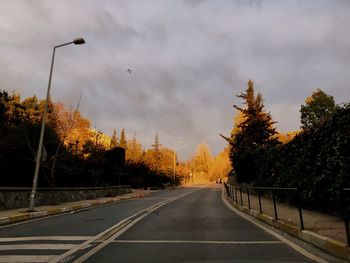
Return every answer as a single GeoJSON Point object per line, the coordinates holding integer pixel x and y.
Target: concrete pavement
{"type": "Point", "coordinates": [184, 225]}
{"type": "Point", "coordinates": [22, 214]}
{"type": "Point", "coordinates": [323, 231]}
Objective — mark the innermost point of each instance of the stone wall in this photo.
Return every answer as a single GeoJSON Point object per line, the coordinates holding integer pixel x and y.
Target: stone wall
{"type": "Point", "coordinates": [12, 198]}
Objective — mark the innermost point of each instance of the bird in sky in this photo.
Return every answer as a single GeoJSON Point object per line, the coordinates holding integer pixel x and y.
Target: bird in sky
{"type": "Point", "coordinates": [129, 70]}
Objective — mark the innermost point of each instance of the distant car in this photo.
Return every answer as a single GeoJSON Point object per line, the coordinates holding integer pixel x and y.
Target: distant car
{"type": "Point", "coordinates": [218, 181]}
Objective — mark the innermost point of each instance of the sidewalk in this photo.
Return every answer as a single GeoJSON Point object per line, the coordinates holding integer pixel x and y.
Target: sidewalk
{"type": "Point", "coordinates": [322, 224]}
{"type": "Point", "coordinates": [323, 231]}
{"type": "Point", "coordinates": [21, 214]}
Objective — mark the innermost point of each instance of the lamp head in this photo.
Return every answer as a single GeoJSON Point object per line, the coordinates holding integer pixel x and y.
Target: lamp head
{"type": "Point", "coordinates": [79, 41]}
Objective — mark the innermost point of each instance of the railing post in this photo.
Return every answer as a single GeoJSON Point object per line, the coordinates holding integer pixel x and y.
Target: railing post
{"type": "Point", "coordinates": [236, 195]}
{"type": "Point", "coordinates": [260, 208]}
{"type": "Point", "coordinates": [301, 218]}
{"type": "Point", "coordinates": [248, 197]}
{"type": "Point", "coordinates": [300, 212]}
{"type": "Point", "coordinates": [274, 204]}
{"type": "Point", "coordinates": [347, 230]}
{"type": "Point", "coordinates": [240, 193]}
{"type": "Point", "coordinates": [232, 195]}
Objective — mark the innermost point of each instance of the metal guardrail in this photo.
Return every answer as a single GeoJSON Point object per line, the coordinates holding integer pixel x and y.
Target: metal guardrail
{"type": "Point", "coordinates": [232, 193]}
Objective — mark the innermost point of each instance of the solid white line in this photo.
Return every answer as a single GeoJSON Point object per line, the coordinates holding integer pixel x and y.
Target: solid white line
{"type": "Point", "coordinates": [283, 239]}
{"type": "Point", "coordinates": [59, 238]}
{"type": "Point", "coordinates": [198, 242]}
{"type": "Point", "coordinates": [37, 247]}
{"type": "Point", "coordinates": [88, 242]}
{"type": "Point", "coordinates": [128, 226]}
{"type": "Point", "coordinates": [109, 240]}
{"type": "Point", "coordinates": [24, 259]}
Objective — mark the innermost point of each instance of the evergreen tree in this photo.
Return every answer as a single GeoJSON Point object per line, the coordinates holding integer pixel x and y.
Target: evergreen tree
{"type": "Point", "coordinates": [114, 140]}
{"type": "Point", "coordinates": [122, 142]}
{"type": "Point", "coordinates": [134, 152]}
{"type": "Point", "coordinates": [318, 108]}
{"type": "Point", "coordinates": [254, 132]}
{"type": "Point", "coordinates": [157, 154]}
{"type": "Point", "coordinates": [202, 159]}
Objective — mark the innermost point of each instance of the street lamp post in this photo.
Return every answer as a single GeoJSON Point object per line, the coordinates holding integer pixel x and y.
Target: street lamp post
{"type": "Point", "coordinates": [77, 41]}
{"type": "Point", "coordinates": [180, 143]}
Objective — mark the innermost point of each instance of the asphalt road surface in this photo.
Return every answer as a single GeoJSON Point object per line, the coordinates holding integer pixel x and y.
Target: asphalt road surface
{"type": "Point", "coordinates": [189, 224]}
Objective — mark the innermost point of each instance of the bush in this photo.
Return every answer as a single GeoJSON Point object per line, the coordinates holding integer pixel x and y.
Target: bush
{"type": "Point", "coordinates": [316, 161]}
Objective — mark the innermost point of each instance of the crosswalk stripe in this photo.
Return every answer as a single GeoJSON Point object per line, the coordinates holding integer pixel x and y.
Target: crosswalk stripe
{"type": "Point", "coordinates": [59, 238]}
{"type": "Point", "coordinates": [24, 259]}
{"type": "Point", "coordinates": [37, 247]}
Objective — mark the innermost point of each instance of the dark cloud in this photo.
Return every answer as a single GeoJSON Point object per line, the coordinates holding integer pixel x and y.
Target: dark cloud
{"type": "Point", "coordinates": [189, 60]}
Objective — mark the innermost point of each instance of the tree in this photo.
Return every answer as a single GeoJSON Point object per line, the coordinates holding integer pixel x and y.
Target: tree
{"type": "Point", "coordinates": [72, 128]}
{"type": "Point", "coordinates": [4, 97]}
{"type": "Point", "coordinates": [122, 142]}
{"type": "Point", "coordinates": [134, 151]}
{"type": "Point", "coordinates": [202, 159]}
{"type": "Point", "coordinates": [114, 140]}
{"type": "Point", "coordinates": [318, 108]}
{"type": "Point", "coordinates": [157, 155]}
{"type": "Point", "coordinates": [12, 109]}
{"type": "Point", "coordinates": [254, 131]}
{"type": "Point", "coordinates": [220, 166]}
{"type": "Point", "coordinates": [32, 112]}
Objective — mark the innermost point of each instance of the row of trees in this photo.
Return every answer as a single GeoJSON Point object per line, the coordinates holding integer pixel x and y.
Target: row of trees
{"type": "Point", "coordinates": [77, 155]}
{"type": "Point", "coordinates": [74, 154]}
{"type": "Point", "coordinates": [314, 159]}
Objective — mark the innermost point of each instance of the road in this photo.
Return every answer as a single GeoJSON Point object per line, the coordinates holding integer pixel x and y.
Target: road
{"type": "Point", "coordinates": [189, 224]}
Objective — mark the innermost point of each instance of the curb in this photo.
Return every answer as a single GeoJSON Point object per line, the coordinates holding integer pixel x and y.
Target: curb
{"type": "Point", "coordinates": [54, 211]}
{"type": "Point", "coordinates": [329, 245]}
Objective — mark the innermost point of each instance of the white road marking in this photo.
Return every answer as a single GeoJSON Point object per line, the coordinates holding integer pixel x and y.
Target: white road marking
{"type": "Point", "coordinates": [198, 242]}
{"type": "Point", "coordinates": [134, 219]}
{"type": "Point", "coordinates": [24, 259]}
{"type": "Point", "coordinates": [13, 246]}
{"type": "Point", "coordinates": [121, 231]}
{"type": "Point", "coordinates": [37, 247]}
{"type": "Point", "coordinates": [93, 239]}
{"type": "Point", "coordinates": [59, 238]}
{"type": "Point", "coordinates": [283, 239]}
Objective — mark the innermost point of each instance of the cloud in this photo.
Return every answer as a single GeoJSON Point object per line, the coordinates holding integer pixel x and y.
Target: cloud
{"type": "Point", "coordinates": [189, 60]}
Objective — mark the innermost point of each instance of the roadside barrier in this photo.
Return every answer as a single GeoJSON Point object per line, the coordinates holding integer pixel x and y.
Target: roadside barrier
{"type": "Point", "coordinates": [232, 193]}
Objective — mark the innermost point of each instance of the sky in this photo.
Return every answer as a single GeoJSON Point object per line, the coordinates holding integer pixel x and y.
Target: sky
{"type": "Point", "coordinates": [188, 60]}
